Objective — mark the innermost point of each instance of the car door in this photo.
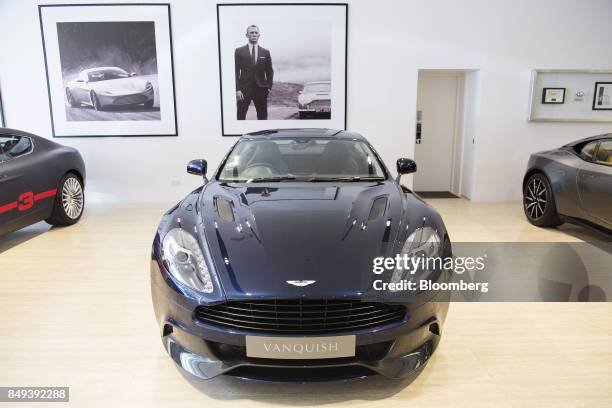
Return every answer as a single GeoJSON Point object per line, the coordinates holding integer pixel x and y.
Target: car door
{"type": "Point", "coordinates": [19, 184]}
{"type": "Point", "coordinates": [595, 184]}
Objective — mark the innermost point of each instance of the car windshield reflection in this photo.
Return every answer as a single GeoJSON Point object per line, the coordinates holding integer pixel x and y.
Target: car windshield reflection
{"type": "Point", "coordinates": [301, 159]}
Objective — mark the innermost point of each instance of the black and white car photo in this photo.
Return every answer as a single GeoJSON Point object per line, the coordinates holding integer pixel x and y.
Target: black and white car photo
{"type": "Point", "coordinates": [109, 69]}
{"type": "Point", "coordinates": [315, 100]}
{"type": "Point", "coordinates": [110, 87]}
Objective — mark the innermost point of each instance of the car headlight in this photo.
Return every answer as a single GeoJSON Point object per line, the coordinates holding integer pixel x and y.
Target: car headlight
{"type": "Point", "coordinates": [183, 257]}
{"type": "Point", "coordinates": [423, 243]}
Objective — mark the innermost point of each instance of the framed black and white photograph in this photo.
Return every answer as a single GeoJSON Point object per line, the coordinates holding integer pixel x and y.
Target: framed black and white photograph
{"type": "Point", "coordinates": [109, 69]}
{"type": "Point", "coordinates": [2, 123]}
{"type": "Point", "coordinates": [282, 66]}
{"type": "Point", "coordinates": [602, 97]}
{"type": "Point", "coordinates": [553, 95]}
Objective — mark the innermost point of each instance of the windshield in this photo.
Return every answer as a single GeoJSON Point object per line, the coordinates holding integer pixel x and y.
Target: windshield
{"type": "Point", "coordinates": [316, 88]}
{"type": "Point", "coordinates": [105, 74]}
{"type": "Point", "coordinates": [306, 159]}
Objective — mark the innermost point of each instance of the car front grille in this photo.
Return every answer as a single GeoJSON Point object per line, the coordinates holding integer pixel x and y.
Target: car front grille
{"type": "Point", "coordinates": [300, 315]}
{"type": "Point", "coordinates": [130, 99]}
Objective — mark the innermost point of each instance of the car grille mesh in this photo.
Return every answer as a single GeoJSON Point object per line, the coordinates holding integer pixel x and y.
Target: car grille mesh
{"type": "Point", "coordinates": [130, 99]}
{"type": "Point", "coordinates": [300, 315]}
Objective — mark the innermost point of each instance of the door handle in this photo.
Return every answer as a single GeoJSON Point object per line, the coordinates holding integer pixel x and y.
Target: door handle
{"type": "Point", "coordinates": [419, 124]}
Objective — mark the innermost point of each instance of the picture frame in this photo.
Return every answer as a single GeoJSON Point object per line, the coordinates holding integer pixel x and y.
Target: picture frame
{"type": "Point", "coordinates": [282, 86]}
{"type": "Point", "coordinates": [602, 96]}
{"type": "Point", "coordinates": [578, 96]}
{"type": "Point", "coordinates": [109, 69]}
{"type": "Point", "coordinates": [553, 96]}
{"type": "Point", "coordinates": [2, 121]}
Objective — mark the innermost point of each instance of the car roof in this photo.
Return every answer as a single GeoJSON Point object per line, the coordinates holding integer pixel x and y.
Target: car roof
{"type": "Point", "coordinates": [302, 132]}
{"type": "Point", "coordinates": [589, 139]}
{"type": "Point", "coordinates": [16, 132]}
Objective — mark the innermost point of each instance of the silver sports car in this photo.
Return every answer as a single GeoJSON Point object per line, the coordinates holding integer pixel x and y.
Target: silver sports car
{"type": "Point", "coordinates": [571, 183]}
{"type": "Point", "coordinates": [315, 100]}
{"type": "Point", "coordinates": [109, 86]}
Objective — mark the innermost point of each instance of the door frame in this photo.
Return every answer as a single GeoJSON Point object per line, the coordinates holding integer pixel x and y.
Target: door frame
{"type": "Point", "coordinates": [459, 131]}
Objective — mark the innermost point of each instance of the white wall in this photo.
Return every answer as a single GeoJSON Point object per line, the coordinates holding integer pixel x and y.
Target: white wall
{"type": "Point", "coordinates": [389, 40]}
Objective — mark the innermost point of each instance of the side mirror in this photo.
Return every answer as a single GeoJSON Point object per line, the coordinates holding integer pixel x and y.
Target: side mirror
{"type": "Point", "coordinates": [198, 167]}
{"type": "Point", "coordinates": [132, 74]}
{"type": "Point", "coordinates": [405, 166]}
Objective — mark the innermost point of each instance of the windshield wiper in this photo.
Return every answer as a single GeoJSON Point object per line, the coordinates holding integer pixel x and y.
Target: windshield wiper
{"type": "Point", "coordinates": [349, 179]}
{"type": "Point", "coordinates": [271, 178]}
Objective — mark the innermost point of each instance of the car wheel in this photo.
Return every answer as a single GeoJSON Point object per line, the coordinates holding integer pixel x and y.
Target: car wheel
{"type": "Point", "coordinates": [95, 101]}
{"type": "Point", "coordinates": [539, 202]}
{"type": "Point", "coordinates": [69, 201]}
{"type": "Point", "coordinates": [71, 101]}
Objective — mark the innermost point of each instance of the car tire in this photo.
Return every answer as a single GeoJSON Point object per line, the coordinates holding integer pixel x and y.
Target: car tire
{"type": "Point", "coordinates": [149, 103]}
{"type": "Point", "coordinates": [71, 101]}
{"type": "Point", "coordinates": [95, 101]}
{"type": "Point", "coordinates": [69, 201]}
{"type": "Point", "coordinates": [539, 202]}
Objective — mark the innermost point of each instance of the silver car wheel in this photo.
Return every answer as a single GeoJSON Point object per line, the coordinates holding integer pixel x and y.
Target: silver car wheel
{"type": "Point", "coordinates": [535, 198]}
{"type": "Point", "coordinates": [72, 198]}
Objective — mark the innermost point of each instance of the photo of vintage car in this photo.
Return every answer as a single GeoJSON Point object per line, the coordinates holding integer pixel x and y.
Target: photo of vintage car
{"type": "Point", "coordinates": [572, 183]}
{"type": "Point", "coordinates": [314, 101]}
{"type": "Point", "coordinates": [265, 271]}
{"type": "Point", "coordinates": [109, 87]}
{"type": "Point", "coordinates": [39, 180]}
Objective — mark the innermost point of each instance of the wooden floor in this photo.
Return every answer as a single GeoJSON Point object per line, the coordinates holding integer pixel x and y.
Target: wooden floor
{"type": "Point", "coordinates": [76, 311]}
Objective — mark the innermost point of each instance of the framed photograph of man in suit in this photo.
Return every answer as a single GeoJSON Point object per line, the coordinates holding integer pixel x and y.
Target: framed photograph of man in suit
{"type": "Point", "coordinates": [282, 66]}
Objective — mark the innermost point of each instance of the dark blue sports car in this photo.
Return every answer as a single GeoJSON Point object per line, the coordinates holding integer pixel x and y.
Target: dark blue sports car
{"type": "Point", "coordinates": [265, 272]}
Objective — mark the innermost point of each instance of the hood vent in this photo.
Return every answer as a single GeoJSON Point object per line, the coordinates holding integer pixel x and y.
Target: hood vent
{"type": "Point", "coordinates": [224, 209]}
{"type": "Point", "coordinates": [378, 208]}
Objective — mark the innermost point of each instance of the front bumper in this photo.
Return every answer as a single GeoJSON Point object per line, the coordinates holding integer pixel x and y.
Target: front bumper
{"type": "Point", "coordinates": [395, 350]}
{"type": "Point", "coordinates": [126, 100]}
{"type": "Point", "coordinates": [316, 106]}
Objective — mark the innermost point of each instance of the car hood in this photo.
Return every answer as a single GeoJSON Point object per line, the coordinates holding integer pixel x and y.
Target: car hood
{"type": "Point", "coordinates": [323, 232]}
{"type": "Point", "coordinates": [120, 86]}
{"type": "Point", "coordinates": [309, 97]}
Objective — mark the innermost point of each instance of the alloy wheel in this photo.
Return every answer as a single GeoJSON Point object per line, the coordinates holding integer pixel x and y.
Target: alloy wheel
{"type": "Point", "coordinates": [72, 198]}
{"type": "Point", "coordinates": [95, 101]}
{"type": "Point", "coordinates": [69, 97]}
{"type": "Point", "coordinates": [535, 198]}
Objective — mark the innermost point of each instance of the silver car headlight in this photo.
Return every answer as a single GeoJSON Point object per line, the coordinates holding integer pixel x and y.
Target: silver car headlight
{"type": "Point", "coordinates": [424, 243]}
{"type": "Point", "coordinates": [183, 257]}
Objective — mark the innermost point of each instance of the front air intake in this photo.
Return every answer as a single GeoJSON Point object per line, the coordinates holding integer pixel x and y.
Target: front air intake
{"type": "Point", "coordinates": [300, 316]}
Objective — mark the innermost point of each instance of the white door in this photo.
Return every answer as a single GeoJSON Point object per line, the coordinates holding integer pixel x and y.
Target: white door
{"type": "Point", "coordinates": [437, 103]}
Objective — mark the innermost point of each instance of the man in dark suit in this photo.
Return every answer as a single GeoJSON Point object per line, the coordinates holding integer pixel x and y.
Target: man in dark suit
{"type": "Point", "coordinates": [254, 75]}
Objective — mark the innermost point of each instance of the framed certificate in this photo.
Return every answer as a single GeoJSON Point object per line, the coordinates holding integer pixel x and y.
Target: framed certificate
{"type": "Point", "coordinates": [553, 95]}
